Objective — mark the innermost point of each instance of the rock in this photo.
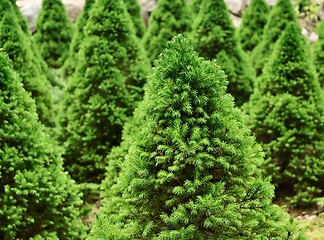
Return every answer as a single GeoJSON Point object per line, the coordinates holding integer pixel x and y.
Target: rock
{"type": "Point", "coordinates": [311, 217]}
{"type": "Point", "coordinates": [147, 6]}
{"type": "Point", "coordinates": [236, 7]}
{"type": "Point", "coordinates": [236, 20]}
{"type": "Point", "coordinates": [22, 3]}
{"type": "Point", "coordinates": [32, 8]}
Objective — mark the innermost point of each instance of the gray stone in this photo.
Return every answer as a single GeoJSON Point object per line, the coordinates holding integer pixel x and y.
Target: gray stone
{"type": "Point", "coordinates": [236, 7]}
{"type": "Point", "coordinates": [30, 9]}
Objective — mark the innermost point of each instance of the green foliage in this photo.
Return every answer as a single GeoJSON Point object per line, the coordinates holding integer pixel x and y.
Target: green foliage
{"type": "Point", "coordinates": [195, 6]}
{"type": "Point", "coordinates": [71, 62]}
{"type": "Point", "coordinates": [280, 15]}
{"type": "Point", "coordinates": [214, 37]}
{"type": "Point", "coordinates": [18, 46]}
{"type": "Point", "coordinates": [134, 11]}
{"type": "Point", "coordinates": [193, 169]}
{"type": "Point", "coordinates": [37, 199]}
{"type": "Point", "coordinates": [37, 59]}
{"type": "Point", "coordinates": [318, 52]}
{"type": "Point", "coordinates": [104, 90]}
{"type": "Point", "coordinates": [167, 20]}
{"type": "Point", "coordinates": [287, 118]}
{"type": "Point", "coordinates": [54, 32]}
{"type": "Point", "coordinates": [115, 160]}
{"type": "Point", "coordinates": [254, 19]}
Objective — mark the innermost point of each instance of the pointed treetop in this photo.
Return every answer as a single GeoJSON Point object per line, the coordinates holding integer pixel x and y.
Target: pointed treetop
{"type": "Point", "coordinates": [54, 31]}
{"type": "Point", "coordinates": [18, 46]}
{"type": "Point", "coordinates": [280, 15]}
{"type": "Point", "coordinates": [254, 19]}
{"type": "Point", "coordinates": [289, 69]}
{"type": "Point", "coordinates": [168, 19]}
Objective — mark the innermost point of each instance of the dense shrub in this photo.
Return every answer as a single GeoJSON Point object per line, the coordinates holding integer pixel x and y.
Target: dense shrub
{"type": "Point", "coordinates": [37, 199]}
{"type": "Point", "coordinates": [103, 91]}
{"type": "Point", "coordinates": [193, 169]}
{"type": "Point", "coordinates": [280, 15]}
{"type": "Point", "coordinates": [214, 38]}
{"type": "Point", "coordinates": [286, 112]}
{"type": "Point", "coordinates": [254, 19]}
{"type": "Point", "coordinates": [167, 20]}
{"type": "Point", "coordinates": [18, 46]}
{"type": "Point", "coordinates": [54, 32]}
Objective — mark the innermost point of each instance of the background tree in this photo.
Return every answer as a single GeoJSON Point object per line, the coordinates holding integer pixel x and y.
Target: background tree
{"type": "Point", "coordinates": [168, 19]}
{"type": "Point", "coordinates": [280, 15]}
{"type": "Point", "coordinates": [104, 90]}
{"type": "Point", "coordinates": [78, 36]}
{"type": "Point", "coordinates": [18, 46]}
{"type": "Point", "coordinates": [134, 11]}
{"type": "Point", "coordinates": [254, 19]}
{"type": "Point", "coordinates": [215, 38]}
{"type": "Point", "coordinates": [37, 199]}
{"type": "Point", "coordinates": [37, 59]}
{"type": "Point", "coordinates": [193, 170]}
{"type": "Point", "coordinates": [54, 32]}
{"type": "Point", "coordinates": [286, 116]}
{"type": "Point", "coordinates": [318, 52]}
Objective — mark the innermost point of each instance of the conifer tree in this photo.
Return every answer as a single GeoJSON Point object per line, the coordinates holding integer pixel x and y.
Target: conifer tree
{"type": "Point", "coordinates": [193, 169]}
{"type": "Point", "coordinates": [37, 59]}
{"type": "Point", "coordinates": [71, 62]}
{"type": "Point", "coordinates": [20, 18]}
{"type": "Point", "coordinates": [103, 91]}
{"type": "Point", "coordinates": [37, 199]}
{"type": "Point", "coordinates": [134, 11]}
{"type": "Point", "coordinates": [54, 32]}
{"type": "Point", "coordinates": [318, 53]}
{"type": "Point", "coordinates": [286, 113]}
{"type": "Point", "coordinates": [280, 15]}
{"type": "Point", "coordinates": [254, 19]}
{"type": "Point", "coordinates": [167, 20]}
{"type": "Point", "coordinates": [18, 46]}
{"type": "Point", "coordinates": [215, 38]}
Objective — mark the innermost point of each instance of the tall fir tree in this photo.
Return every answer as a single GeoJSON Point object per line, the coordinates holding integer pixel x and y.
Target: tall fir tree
{"type": "Point", "coordinates": [78, 36]}
{"type": "Point", "coordinates": [318, 53]}
{"type": "Point", "coordinates": [215, 37]}
{"type": "Point", "coordinates": [18, 46]}
{"type": "Point", "coordinates": [167, 20]}
{"type": "Point", "coordinates": [286, 115]}
{"type": "Point", "coordinates": [280, 15]}
{"type": "Point", "coordinates": [54, 32]}
{"type": "Point", "coordinates": [37, 59]}
{"type": "Point", "coordinates": [193, 169]}
{"type": "Point", "coordinates": [251, 28]}
{"type": "Point", "coordinates": [104, 90]}
{"type": "Point", "coordinates": [134, 11]}
{"type": "Point", "coordinates": [37, 199]}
